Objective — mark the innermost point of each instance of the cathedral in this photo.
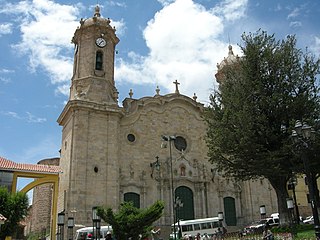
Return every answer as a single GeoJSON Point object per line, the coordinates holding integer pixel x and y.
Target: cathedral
{"type": "Point", "coordinates": [142, 150]}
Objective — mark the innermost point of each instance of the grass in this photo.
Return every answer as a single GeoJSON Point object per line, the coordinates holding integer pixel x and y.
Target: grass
{"type": "Point", "coordinates": [301, 235]}
{"type": "Point", "coordinates": [309, 234]}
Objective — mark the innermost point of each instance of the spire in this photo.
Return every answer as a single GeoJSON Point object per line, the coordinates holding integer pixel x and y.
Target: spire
{"type": "Point", "coordinates": [97, 11]}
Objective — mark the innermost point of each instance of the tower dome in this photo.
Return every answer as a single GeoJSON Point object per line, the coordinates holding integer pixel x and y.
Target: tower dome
{"type": "Point", "coordinates": [227, 61]}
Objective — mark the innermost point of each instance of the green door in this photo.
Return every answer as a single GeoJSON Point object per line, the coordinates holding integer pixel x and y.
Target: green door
{"type": "Point", "coordinates": [185, 210]}
{"type": "Point", "coordinates": [230, 211]}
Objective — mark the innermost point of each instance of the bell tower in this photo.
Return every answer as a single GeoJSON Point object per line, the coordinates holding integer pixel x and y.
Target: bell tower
{"type": "Point", "coordinates": [93, 73]}
{"type": "Point", "coordinates": [90, 124]}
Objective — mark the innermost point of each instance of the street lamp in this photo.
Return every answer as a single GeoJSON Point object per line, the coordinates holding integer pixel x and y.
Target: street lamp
{"type": "Point", "coordinates": [61, 216]}
{"type": "Point", "coordinates": [70, 227]}
{"type": "Point", "coordinates": [292, 186]}
{"type": "Point", "coordinates": [263, 211]}
{"type": "Point", "coordinates": [178, 205]}
{"type": "Point", "coordinates": [303, 135]}
{"type": "Point", "coordinates": [96, 223]}
{"type": "Point", "coordinates": [169, 139]}
{"type": "Point", "coordinates": [290, 208]}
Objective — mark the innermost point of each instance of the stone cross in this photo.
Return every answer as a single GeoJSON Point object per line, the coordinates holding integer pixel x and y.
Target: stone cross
{"type": "Point", "coordinates": [176, 83]}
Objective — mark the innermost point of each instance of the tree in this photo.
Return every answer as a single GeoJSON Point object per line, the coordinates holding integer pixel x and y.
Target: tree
{"type": "Point", "coordinates": [130, 221]}
{"type": "Point", "coordinates": [14, 207]}
{"type": "Point", "coordinates": [251, 115]}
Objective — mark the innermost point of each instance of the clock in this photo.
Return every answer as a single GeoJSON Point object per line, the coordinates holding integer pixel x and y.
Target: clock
{"type": "Point", "coordinates": [101, 42]}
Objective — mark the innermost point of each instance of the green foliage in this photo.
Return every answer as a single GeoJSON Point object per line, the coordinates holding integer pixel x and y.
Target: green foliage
{"type": "Point", "coordinates": [251, 115]}
{"type": "Point", "coordinates": [14, 207]}
{"type": "Point", "coordinates": [130, 221]}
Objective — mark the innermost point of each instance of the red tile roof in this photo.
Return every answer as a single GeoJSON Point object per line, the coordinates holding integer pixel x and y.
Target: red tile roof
{"type": "Point", "coordinates": [6, 164]}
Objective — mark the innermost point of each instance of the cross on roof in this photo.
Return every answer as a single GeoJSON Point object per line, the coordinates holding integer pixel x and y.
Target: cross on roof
{"type": "Point", "coordinates": [176, 83]}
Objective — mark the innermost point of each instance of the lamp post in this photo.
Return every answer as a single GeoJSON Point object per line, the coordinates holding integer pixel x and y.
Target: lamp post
{"type": "Point", "coordinates": [290, 208]}
{"type": "Point", "coordinates": [303, 135]}
{"type": "Point", "coordinates": [70, 227]}
{"type": "Point", "coordinates": [96, 223]}
{"type": "Point", "coordinates": [263, 211]}
{"type": "Point", "coordinates": [178, 205]}
{"type": "Point", "coordinates": [220, 218]}
{"type": "Point", "coordinates": [61, 216]}
{"type": "Point", "coordinates": [292, 186]}
{"type": "Point", "coordinates": [169, 139]}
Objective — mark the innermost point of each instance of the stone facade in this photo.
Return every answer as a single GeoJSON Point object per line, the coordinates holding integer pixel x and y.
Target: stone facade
{"type": "Point", "coordinates": [109, 152]}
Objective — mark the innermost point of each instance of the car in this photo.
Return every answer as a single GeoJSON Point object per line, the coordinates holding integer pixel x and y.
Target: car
{"type": "Point", "coordinates": [259, 225]}
{"type": "Point", "coordinates": [308, 220]}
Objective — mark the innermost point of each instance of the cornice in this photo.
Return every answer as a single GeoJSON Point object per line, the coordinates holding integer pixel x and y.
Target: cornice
{"type": "Point", "coordinates": [85, 105]}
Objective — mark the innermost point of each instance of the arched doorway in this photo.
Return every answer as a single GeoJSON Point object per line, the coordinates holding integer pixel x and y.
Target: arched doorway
{"type": "Point", "coordinates": [230, 211]}
{"type": "Point", "coordinates": [186, 211]}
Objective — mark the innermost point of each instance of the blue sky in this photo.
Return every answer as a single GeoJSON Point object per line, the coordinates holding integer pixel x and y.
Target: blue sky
{"type": "Point", "coordinates": [160, 41]}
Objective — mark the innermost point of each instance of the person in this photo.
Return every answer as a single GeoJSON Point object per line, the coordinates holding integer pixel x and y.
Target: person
{"type": "Point", "coordinates": [155, 234]}
{"type": "Point", "coordinates": [267, 234]}
{"type": "Point", "coordinates": [220, 234]}
{"type": "Point", "coordinates": [205, 237]}
{"type": "Point", "coordinates": [198, 236]}
{"type": "Point", "coordinates": [109, 236]}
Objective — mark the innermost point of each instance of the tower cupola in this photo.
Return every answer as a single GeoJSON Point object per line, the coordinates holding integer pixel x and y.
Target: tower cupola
{"type": "Point", "coordinates": [230, 61]}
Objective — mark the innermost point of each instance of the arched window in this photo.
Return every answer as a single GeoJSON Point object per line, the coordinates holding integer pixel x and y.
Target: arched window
{"type": "Point", "coordinates": [132, 197]}
{"type": "Point", "coordinates": [99, 60]}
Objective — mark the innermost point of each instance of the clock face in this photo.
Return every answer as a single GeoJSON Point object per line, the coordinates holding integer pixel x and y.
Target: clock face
{"type": "Point", "coordinates": [101, 42]}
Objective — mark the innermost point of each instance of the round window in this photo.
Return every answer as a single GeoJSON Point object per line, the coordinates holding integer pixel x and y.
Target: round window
{"type": "Point", "coordinates": [131, 137]}
{"type": "Point", "coordinates": [180, 143]}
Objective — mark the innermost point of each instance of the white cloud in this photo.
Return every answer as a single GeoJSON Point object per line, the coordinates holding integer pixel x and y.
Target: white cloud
{"type": "Point", "coordinates": [294, 13]}
{"type": "Point", "coordinates": [165, 2]}
{"type": "Point", "coordinates": [231, 10]}
{"type": "Point", "coordinates": [5, 80]}
{"type": "Point", "coordinates": [44, 148]}
{"type": "Point", "coordinates": [46, 29]}
{"type": "Point", "coordinates": [5, 28]}
{"type": "Point", "coordinates": [4, 70]}
{"type": "Point", "coordinates": [315, 48]}
{"type": "Point", "coordinates": [11, 114]}
{"type": "Point", "coordinates": [116, 3]}
{"type": "Point", "coordinates": [33, 119]}
{"type": "Point", "coordinates": [183, 42]}
{"type": "Point", "coordinates": [29, 117]}
{"type": "Point", "coordinates": [295, 24]}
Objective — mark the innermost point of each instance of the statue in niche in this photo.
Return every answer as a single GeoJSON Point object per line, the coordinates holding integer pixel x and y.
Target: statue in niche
{"type": "Point", "coordinates": [131, 170]}
{"type": "Point", "coordinates": [182, 171]}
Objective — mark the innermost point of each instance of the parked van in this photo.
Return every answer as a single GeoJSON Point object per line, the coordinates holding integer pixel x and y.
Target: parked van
{"type": "Point", "coordinates": [87, 233]}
